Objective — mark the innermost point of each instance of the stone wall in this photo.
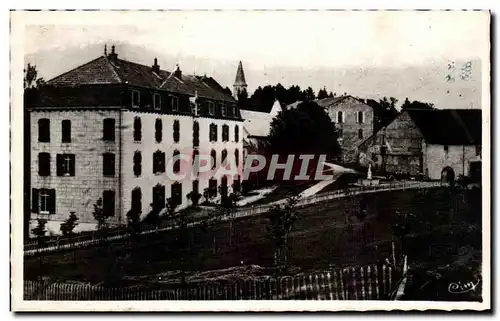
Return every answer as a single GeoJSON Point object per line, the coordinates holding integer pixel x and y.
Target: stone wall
{"type": "Point", "coordinates": [76, 193]}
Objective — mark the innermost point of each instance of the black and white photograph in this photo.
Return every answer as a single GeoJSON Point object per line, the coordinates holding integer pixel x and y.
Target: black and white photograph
{"type": "Point", "coordinates": [272, 160]}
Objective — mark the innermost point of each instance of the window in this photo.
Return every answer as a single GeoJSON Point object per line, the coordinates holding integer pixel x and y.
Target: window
{"type": "Point", "coordinates": [223, 109]}
{"type": "Point", "coordinates": [158, 130]}
{"type": "Point", "coordinates": [176, 131]}
{"type": "Point", "coordinates": [44, 130]}
{"type": "Point", "coordinates": [361, 117]}
{"type": "Point", "coordinates": [136, 200]}
{"type": "Point", "coordinates": [446, 149]}
{"type": "Point", "coordinates": [340, 117]}
{"type": "Point", "coordinates": [65, 164]}
{"type": "Point", "coordinates": [478, 150]}
{"type": "Point", "coordinates": [66, 131]}
{"type": "Point", "coordinates": [158, 162]}
{"type": "Point", "coordinates": [176, 193]}
{"type": "Point", "coordinates": [157, 101]}
{"type": "Point", "coordinates": [234, 111]}
{"type": "Point", "coordinates": [158, 197]}
{"type": "Point", "coordinates": [43, 201]}
{"type": "Point", "coordinates": [177, 162]}
{"type": "Point", "coordinates": [196, 134]}
{"type": "Point", "coordinates": [212, 187]}
{"type": "Point", "coordinates": [213, 156]}
{"type": "Point", "coordinates": [196, 161]}
{"type": "Point", "coordinates": [196, 187]}
{"type": "Point", "coordinates": [223, 156]}
{"type": "Point", "coordinates": [108, 130]}
{"type": "Point", "coordinates": [211, 108]}
{"type": "Point", "coordinates": [137, 129]}
{"type": "Point", "coordinates": [108, 164]}
{"type": "Point", "coordinates": [44, 164]}
{"type": "Point", "coordinates": [237, 157]}
{"type": "Point", "coordinates": [137, 163]}
{"type": "Point", "coordinates": [136, 99]}
{"type": "Point", "coordinates": [360, 133]}
{"type": "Point", "coordinates": [108, 203]}
{"type": "Point", "coordinates": [225, 133]}
{"type": "Point", "coordinates": [213, 132]}
{"type": "Point", "coordinates": [174, 102]}
{"type": "Point", "coordinates": [236, 133]}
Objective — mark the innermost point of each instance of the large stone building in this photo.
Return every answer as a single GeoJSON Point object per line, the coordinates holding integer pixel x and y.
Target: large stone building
{"type": "Point", "coordinates": [440, 144]}
{"type": "Point", "coordinates": [354, 120]}
{"type": "Point", "coordinates": [109, 128]}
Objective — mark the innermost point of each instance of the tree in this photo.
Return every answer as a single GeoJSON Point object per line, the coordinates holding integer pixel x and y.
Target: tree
{"type": "Point", "coordinates": [322, 93]}
{"type": "Point", "coordinates": [384, 111]}
{"type": "Point", "coordinates": [39, 231]}
{"type": "Point", "coordinates": [281, 220]}
{"type": "Point", "coordinates": [67, 228]}
{"type": "Point", "coordinates": [416, 105]}
{"type": "Point", "coordinates": [31, 79]}
{"type": "Point", "coordinates": [100, 217]}
{"type": "Point", "coordinates": [69, 225]}
{"type": "Point", "coordinates": [194, 197]}
{"type": "Point", "coordinates": [133, 223]}
{"type": "Point", "coordinates": [309, 94]}
{"type": "Point", "coordinates": [306, 129]}
{"type": "Point", "coordinates": [331, 95]}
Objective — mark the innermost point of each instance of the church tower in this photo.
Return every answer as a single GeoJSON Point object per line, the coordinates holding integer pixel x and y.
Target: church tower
{"type": "Point", "coordinates": [239, 83]}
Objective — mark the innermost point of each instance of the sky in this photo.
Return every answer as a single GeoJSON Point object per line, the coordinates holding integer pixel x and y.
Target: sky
{"type": "Point", "coordinates": [363, 53]}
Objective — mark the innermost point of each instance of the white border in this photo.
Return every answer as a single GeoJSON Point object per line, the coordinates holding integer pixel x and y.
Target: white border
{"type": "Point", "coordinates": [18, 20]}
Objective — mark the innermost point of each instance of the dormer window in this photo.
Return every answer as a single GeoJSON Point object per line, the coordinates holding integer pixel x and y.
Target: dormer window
{"type": "Point", "coordinates": [136, 98]}
{"type": "Point", "coordinates": [157, 101]}
{"type": "Point", "coordinates": [174, 102]}
{"type": "Point", "coordinates": [223, 109]}
{"type": "Point", "coordinates": [234, 111]}
{"type": "Point", "coordinates": [211, 108]}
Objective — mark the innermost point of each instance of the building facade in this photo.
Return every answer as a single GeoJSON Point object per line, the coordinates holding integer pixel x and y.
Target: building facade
{"type": "Point", "coordinates": [439, 144]}
{"type": "Point", "coordinates": [112, 130]}
{"type": "Point", "coordinates": [354, 120]}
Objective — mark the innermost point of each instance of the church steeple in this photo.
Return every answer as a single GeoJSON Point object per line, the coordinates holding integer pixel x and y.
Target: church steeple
{"type": "Point", "coordinates": [239, 83]}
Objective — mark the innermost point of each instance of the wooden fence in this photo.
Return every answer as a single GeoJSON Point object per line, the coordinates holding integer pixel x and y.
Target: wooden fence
{"type": "Point", "coordinates": [373, 282]}
{"type": "Point", "coordinates": [61, 244]}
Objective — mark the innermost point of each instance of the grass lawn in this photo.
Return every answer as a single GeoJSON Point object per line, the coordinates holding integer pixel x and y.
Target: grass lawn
{"type": "Point", "coordinates": [319, 239]}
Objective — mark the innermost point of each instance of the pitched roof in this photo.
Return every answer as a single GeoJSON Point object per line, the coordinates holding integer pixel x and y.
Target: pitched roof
{"type": "Point", "coordinates": [256, 123]}
{"type": "Point", "coordinates": [449, 126]}
{"type": "Point", "coordinates": [240, 76]}
{"type": "Point", "coordinates": [325, 102]}
{"type": "Point", "coordinates": [118, 71]}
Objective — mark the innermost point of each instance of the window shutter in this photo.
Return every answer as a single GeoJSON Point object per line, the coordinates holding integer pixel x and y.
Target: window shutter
{"type": "Point", "coordinates": [52, 201]}
{"type": "Point", "coordinates": [59, 164]}
{"type": "Point", "coordinates": [72, 166]}
{"type": "Point", "coordinates": [34, 200]}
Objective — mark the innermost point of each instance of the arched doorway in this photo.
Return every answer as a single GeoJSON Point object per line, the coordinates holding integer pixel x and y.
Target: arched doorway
{"type": "Point", "coordinates": [447, 175]}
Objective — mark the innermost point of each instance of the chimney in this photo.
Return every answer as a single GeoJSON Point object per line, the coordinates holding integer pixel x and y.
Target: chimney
{"type": "Point", "coordinates": [156, 67]}
{"type": "Point", "coordinates": [113, 56]}
{"type": "Point", "coordinates": [178, 73]}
